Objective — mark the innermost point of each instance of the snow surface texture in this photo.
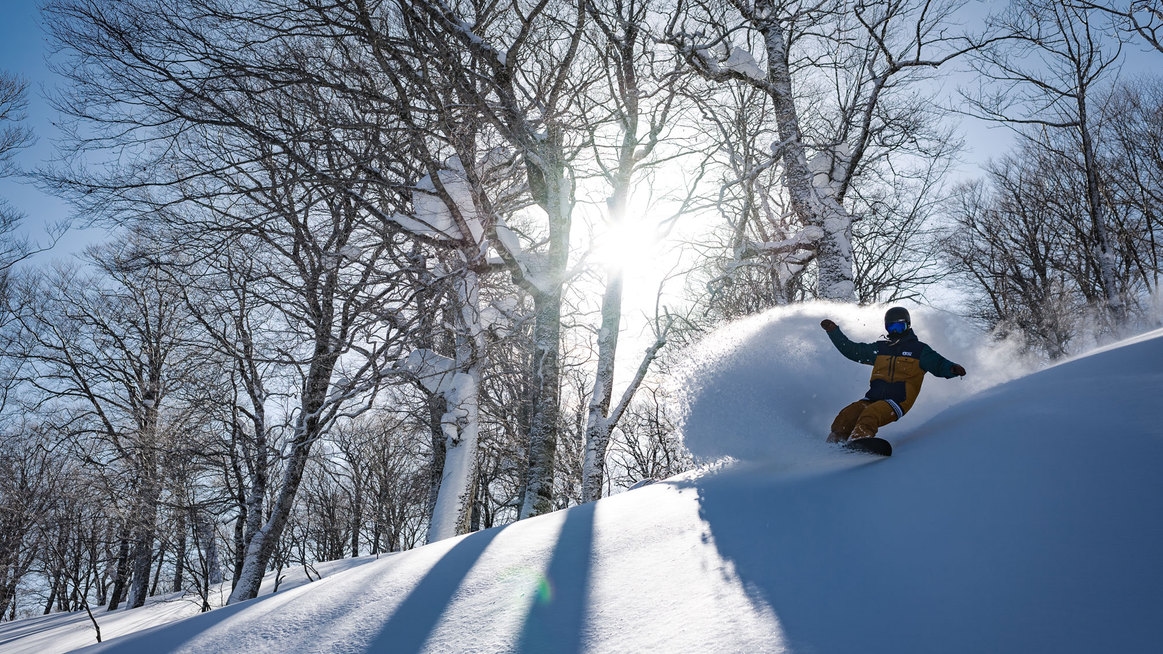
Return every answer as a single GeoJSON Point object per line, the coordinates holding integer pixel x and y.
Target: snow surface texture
{"type": "Point", "coordinates": [1023, 518]}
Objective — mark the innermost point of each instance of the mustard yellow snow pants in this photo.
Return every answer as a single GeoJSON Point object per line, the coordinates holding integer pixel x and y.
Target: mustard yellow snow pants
{"type": "Point", "coordinates": [862, 419]}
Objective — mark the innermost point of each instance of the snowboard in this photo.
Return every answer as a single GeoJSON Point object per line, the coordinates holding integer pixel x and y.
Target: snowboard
{"type": "Point", "coordinates": [871, 445]}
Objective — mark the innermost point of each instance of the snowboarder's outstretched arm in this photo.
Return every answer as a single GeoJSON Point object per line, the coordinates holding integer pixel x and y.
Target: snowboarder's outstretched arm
{"type": "Point", "coordinates": [858, 352]}
{"type": "Point", "coordinates": [934, 363]}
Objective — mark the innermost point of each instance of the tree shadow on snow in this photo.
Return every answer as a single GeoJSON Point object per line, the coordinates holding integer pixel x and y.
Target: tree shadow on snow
{"type": "Point", "coordinates": [556, 620]}
{"type": "Point", "coordinates": [413, 622]}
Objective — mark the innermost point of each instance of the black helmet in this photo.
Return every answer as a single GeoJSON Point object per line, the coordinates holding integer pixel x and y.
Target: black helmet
{"type": "Point", "coordinates": [895, 315]}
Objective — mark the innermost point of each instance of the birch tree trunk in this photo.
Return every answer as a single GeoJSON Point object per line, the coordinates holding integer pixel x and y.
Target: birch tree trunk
{"type": "Point", "coordinates": [461, 422]}
{"type": "Point", "coordinates": [556, 197]}
{"type": "Point", "coordinates": [815, 209]}
{"type": "Point", "coordinates": [598, 424]}
{"type": "Point", "coordinates": [645, 104]}
{"type": "Point", "coordinates": [599, 428]}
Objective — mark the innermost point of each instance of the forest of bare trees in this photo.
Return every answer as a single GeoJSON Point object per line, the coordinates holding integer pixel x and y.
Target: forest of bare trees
{"type": "Point", "coordinates": [354, 301]}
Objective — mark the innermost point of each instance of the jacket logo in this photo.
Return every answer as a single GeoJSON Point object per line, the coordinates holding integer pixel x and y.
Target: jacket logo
{"type": "Point", "coordinates": [906, 354]}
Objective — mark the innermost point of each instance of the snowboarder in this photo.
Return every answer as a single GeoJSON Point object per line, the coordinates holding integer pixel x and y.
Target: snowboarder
{"type": "Point", "coordinates": [899, 364]}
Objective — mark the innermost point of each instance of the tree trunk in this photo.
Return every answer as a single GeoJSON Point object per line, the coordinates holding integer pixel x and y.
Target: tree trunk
{"type": "Point", "coordinates": [814, 207]}
{"type": "Point", "coordinates": [54, 587]}
{"type": "Point", "coordinates": [7, 596]}
{"type": "Point", "coordinates": [239, 547]}
{"type": "Point", "coordinates": [263, 542]}
{"type": "Point", "coordinates": [356, 510]}
{"type": "Point", "coordinates": [1104, 251]}
{"type": "Point", "coordinates": [556, 198]}
{"type": "Point", "coordinates": [437, 407]}
{"type": "Point", "coordinates": [454, 502]}
{"type": "Point", "coordinates": [142, 557]}
{"type": "Point", "coordinates": [179, 553]}
{"type": "Point", "coordinates": [145, 532]}
{"type": "Point", "coordinates": [157, 573]}
{"type": "Point", "coordinates": [121, 571]}
{"type": "Point", "coordinates": [307, 430]}
{"type": "Point", "coordinates": [460, 424]}
{"type": "Point", "coordinates": [598, 425]}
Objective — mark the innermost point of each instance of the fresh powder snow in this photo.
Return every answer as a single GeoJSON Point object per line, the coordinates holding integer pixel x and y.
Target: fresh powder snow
{"type": "Point", "coordinates": [1019, 513]}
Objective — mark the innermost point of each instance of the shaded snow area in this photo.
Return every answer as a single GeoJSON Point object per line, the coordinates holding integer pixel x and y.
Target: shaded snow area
{"type": "Point", "coordinates": [1015, 516]}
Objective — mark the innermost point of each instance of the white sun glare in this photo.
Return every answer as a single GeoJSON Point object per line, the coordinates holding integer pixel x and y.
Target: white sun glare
{"type": "Point", "coordinates": [630, 246]}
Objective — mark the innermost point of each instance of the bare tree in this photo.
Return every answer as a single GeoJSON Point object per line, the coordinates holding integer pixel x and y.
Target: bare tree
{"type": "Point", "coordinates": [895, 258]}
{"type": "Point", "coordinates": [201, 559]}
{"type": "Point", "coordinates": [382, 470]}
{"type": "Point", "coordinates": [111, 348]}
{"type": "Point", "coordinates": [1142, 17]}
{"type": "Point", "coordinates": [13, 136]}
{"type": "Point", "coordinates": [1132, 162]}
{"type": "Point", "coordinates": [494, 87]}
{"type": "Point", "coordinates": [327, 528]}
{"type": "Point", "coordinates": [1048, 76]}
{"type": "Point", "coordinates": [531, 110]}
{"type": "Point", "coordinates": [1024, 243]}
{"type": "Point", "coordinates": [868, 54]}
{"type": "Point", "coordinates": [1010, 248]}
{"type": "Point", "coordinates": [30, 480]}
{"type": "Point", "coordinates": [646, 446]}
{"type": "Point", "coordinates": [235, 325]}
{"type": "Point", "coordinates": [14, 248]}
{"type": "Point", "coordinates": [642, 103]}
{"type": "Point", "coordinates": [73, 531]}
{"type": "Point", "coordinates": [244, 150]}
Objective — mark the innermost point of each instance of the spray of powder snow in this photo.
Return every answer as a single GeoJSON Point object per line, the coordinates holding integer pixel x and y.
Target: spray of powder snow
{"type": "Point", "coordinates": [767, 387]}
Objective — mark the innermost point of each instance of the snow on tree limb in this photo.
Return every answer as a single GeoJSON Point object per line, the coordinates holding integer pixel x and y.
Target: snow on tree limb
{"type": "Point", "coordinates": [433, 371]}
{"type": "Point", "coordinates": [803, 240]}
{"type": "Point", "coordinates": [443, 208]}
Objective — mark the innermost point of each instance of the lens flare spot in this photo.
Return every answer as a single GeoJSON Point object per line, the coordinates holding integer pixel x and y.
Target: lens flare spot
{"type": "Point", "coordinates": [544, 591]}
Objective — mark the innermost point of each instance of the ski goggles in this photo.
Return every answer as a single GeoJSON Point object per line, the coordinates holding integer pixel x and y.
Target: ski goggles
{"type": "Point", "coordinates": [897, 327]}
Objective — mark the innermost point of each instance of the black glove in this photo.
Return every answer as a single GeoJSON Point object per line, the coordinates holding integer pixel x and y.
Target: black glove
{"type": "Point", "coordinates": [828, 325]}
{"type": "Point", "coordinates": [958, 370]}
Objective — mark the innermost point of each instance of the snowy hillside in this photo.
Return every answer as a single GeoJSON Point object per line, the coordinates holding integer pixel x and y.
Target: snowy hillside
{"type": "Point", "coordinates": [1022, 516]}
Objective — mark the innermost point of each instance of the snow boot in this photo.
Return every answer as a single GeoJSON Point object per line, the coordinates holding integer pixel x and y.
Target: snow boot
{"type": "Point", "coordinates": [862, 431]}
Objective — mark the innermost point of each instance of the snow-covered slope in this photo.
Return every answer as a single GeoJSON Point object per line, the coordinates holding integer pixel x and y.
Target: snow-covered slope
{"type": "Point", "coordinates": [1025, 517]}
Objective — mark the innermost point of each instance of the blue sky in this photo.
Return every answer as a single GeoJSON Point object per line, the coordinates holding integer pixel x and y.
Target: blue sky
{"type": "Point", "coordinates": [23, 52]}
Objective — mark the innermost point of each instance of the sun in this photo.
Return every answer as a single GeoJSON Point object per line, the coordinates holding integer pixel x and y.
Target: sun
{"type": "Point", "coordinates": [647, 251]}
{"type": "Point", "coordinates": [630, 246]}
{"type": "Point", "coordinates": [635, 244]}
